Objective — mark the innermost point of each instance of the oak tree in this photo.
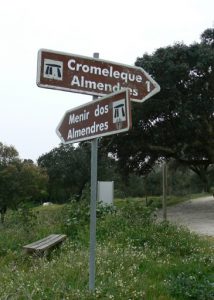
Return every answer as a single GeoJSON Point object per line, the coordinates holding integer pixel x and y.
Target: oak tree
{"type": "Point", "coordinates": [178, 122]}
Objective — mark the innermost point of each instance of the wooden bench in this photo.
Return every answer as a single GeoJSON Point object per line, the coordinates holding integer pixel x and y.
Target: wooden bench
{"type": "Point", "coordinates": [44, 245]}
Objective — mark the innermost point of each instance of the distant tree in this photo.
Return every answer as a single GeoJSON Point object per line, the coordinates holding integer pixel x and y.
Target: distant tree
{"type": "Point", "coordinates": [8, 154]}
{"type": "Point", "coordinates": [33, 182]}
{"type": "Point", "coordinates": [68, 168]}
{"type": "Point", "coordinates": [20, 182]}
{"type": "Point", "coordinates": [178, 122]}
{"type": "Point", "coordinates": [207, 37]}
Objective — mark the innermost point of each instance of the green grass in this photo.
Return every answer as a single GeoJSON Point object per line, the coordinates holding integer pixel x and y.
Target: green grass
{"type": "Point", "coordinates": [156, 201]}
{"type": "Point", "coordinates": [136, 258]}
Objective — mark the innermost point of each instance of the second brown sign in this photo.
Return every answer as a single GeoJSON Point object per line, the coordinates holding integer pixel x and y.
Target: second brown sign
{"type": "Point", "coordinates": [105, 116]}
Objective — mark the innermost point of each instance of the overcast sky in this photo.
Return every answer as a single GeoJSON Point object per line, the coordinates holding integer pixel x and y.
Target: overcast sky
{"type": "Point", "coordinates": [119, 30]}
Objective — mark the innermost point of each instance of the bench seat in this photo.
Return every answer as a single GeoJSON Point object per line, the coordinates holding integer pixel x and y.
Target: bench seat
{"type": "Point", "coordinates": [45, 244]}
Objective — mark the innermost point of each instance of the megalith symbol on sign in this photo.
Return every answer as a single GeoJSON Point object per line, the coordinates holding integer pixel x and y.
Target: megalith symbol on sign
{"type": "Point", "coordinates": [53, 69]}
{"type": "Point", "coordinates": [119, 111]}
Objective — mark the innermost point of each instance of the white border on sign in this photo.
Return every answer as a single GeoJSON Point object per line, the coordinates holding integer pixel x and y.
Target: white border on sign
{"type": "Point", "coordinates": [128, 105]}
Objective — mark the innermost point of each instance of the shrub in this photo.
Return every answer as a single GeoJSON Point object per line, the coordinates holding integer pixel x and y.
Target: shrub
{"type": "Point", "coordinates": [25, 217]}
{"type": "Point", "coordinates": [77, 216]}
{"type": "Point", "coordinates": [192, 285]}
{"type": "Point", "coordinates": [138, 214]}
{"type": "Point", "coordinates": [173, 239]}
{"type": "Point", "coordinates": [168, 238]}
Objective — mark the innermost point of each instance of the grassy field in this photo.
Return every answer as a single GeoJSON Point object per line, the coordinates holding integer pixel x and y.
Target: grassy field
{"type": "Point", "coordinates": [136, 257]}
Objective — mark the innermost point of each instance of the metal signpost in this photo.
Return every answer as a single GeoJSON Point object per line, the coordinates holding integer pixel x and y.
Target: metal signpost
{"type": "Point", "coordinates": [93, 208]}
{"type": "Point", "coordinates": [92, 76]}
{"type": "Point", "coordinates": [101, 117]}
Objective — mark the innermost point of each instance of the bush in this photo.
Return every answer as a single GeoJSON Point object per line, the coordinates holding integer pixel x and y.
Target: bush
{"type": "Point", "coordinates": [138, 213]}
{"type": "Point", "coordinates": [168, 238]}
{"type": "Point", "coordinates": [173, 239]}
{"type": "Point", "coordinates": [26, 217]}
{"type": "Point", "coordinates": [192, 285]}
{"type": "Point", "coordinates": [77, 216]}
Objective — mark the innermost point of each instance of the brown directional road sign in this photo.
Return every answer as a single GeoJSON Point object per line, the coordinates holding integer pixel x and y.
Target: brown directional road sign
{"type": "Point", "coordinates": [92, 76]}
{"type": "Point", "coordinates": [105, 116]}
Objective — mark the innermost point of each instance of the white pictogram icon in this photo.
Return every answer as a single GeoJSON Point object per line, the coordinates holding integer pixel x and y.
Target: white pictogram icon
{"type": "Point", "coordinates": [119, 112]}
{"type": "Point", "coordinates": [53, 69]}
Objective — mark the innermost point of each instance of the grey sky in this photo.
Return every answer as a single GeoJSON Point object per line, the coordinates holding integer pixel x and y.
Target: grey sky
{"type": "Point", "coordinates": [119, 30]}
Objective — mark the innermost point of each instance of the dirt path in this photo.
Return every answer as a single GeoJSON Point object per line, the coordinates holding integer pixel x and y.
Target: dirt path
{"type": "Point", "coordinates": [196, 214]}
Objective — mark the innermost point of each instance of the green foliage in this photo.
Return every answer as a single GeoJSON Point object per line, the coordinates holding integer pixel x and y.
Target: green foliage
{"type": "Point", "coordinates": [192, 285]}
{"type": "Point", "coordinates": [138, 214]}
{"type": "Point", "coordinates": [136, 257]}
{"type": "Point", "coordinates": [25, 217]}
{"type": "Point", "coordinates": [169, 239]}
{"type": "Point", "coordinates": [8, 155]}
{"type": "Point", "coordinates": [77, 216]}
{"type": "Point", "coordinates": [178, 122]}
{"type": "Point", "coordinates": [68, 169]}
{"type": "Point", "coordinates": [207, 37]}
{"type": "Point", "coordinates": [20, 183]}
{"type": "Point", "coordinates": [102, 210]}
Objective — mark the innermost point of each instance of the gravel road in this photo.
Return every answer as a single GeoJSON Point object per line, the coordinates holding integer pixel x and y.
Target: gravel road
{"type": "Point", "coordinates": [195, 214]}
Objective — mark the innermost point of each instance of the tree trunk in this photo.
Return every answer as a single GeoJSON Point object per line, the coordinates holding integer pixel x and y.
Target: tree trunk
{"type": "Point", "coordinates": [201, 171]}
{"type": "Point", "coordinates": [205, 185]}
{"type": "Point", "coordinates": [2, 218]}
{"type": "Point", "coordinates": [80, 191]}
{"type": "Point", "coordinates": [3, 210]}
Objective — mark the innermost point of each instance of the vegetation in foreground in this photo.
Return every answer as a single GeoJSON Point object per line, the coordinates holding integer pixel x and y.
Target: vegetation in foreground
{"type": "Point", "coordinates": [137, 258]}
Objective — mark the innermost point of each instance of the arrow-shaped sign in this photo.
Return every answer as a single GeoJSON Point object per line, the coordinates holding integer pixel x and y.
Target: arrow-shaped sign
{"type": "Point", "coordinates": [105, 116]}
{"type": "Point", "coordinates": [74, 73]}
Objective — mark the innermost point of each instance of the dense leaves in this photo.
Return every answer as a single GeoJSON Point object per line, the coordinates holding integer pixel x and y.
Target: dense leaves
{"type": "Point", "coordinates": [20, 181]}
{"type": "Point", "coordinates": [178, 122]}
{"type": "Point", "coordinates": [8, 154]}
{"type": "Point", "coordinates": [68, 169]}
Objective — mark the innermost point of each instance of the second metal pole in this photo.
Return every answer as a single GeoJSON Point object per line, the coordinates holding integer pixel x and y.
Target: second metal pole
{"type": "Point", "coordinates": [164, 190]}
